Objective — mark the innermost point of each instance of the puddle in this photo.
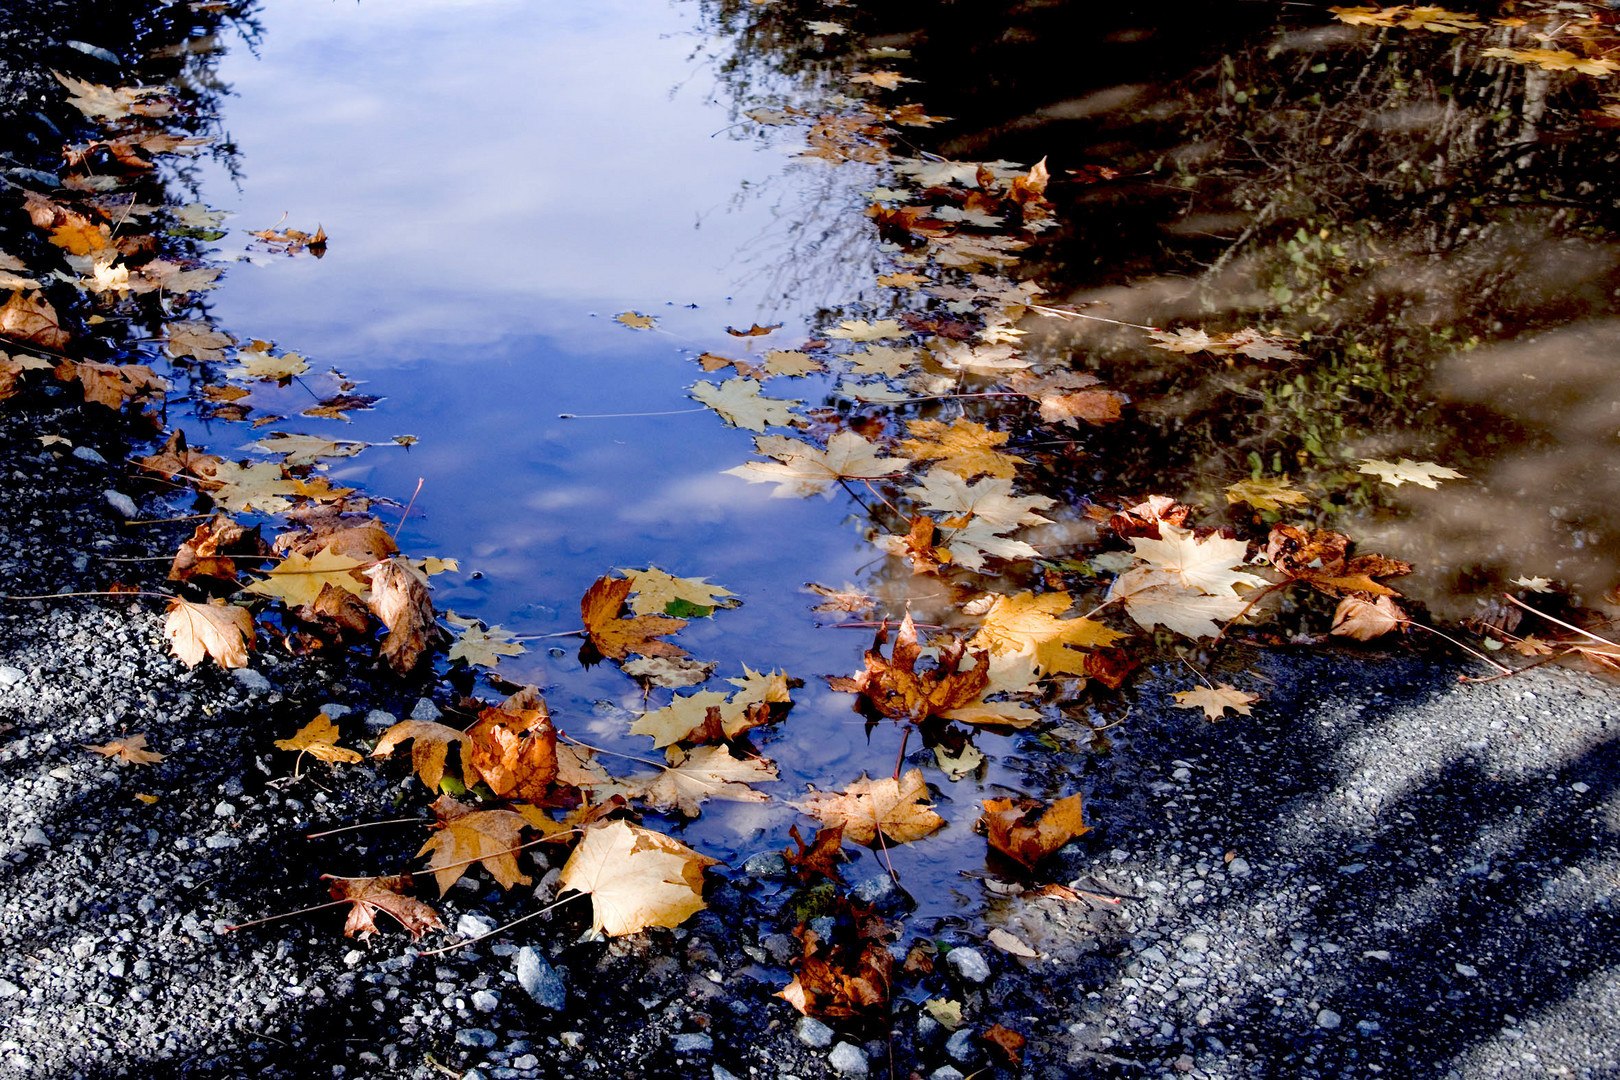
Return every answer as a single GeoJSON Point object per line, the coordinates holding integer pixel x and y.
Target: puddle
{"type": "Point", "coordinates": [500, 182]}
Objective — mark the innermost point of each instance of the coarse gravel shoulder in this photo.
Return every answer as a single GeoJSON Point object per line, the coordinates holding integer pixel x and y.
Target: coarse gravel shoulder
{"type": "Point", "coordinates": [1381, 872]}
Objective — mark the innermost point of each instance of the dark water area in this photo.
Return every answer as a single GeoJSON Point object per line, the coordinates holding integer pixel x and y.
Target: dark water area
{"type": "Point", "coordinates": [501, 180]}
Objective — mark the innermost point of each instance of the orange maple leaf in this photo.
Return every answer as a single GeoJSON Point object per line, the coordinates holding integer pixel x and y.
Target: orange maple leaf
{"type": "Point", "coordinates": [618, 637]}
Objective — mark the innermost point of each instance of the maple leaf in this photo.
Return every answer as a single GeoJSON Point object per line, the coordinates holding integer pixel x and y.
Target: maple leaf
{"type": "Point", "coordinates": [1406, 471]}
{"type": "Point", "coordinates": [656, 593]}
{"type": "Point", "coordinates": [110, 384]}
{"type": "Point", "coordinates": [373, 894]}
{"type": "Point", "coordinates": [517, 764]}
{"type": "Point", "coordinates": [1534, 584]}
{"type": "Point", "coordinates": [1207, 565]}
{"type": "Point", "coordinates": [176, 458]}
{"type": "Point", "coordinates": [130, 750]}
{"type": "Point", "coordinates": [305, 449]}
{"type": "Point", "coordinates": [1556, 60]}
{"type": "Point", "coordinates": [705, 772]}
{"type": "Point", "coordinates": [215, 629]}
{"type": "Point", "coordinates": [81, 236]}
{"type": "Point", "coordinates": [635, 320]}
{"type": "Point", "coordinates": [902, 280]}
{"type": "Point", "coordinates": [1265, 493]}
{"type": "Point", "coordinates": [822, 29]}
{"type": "Point", "coordinates": [755, 330]}
{"type": "Point", "coordinates": [892, 685]}
{"type": "Point", "coordinates": [430, 745]}
{"type": "Point", "coordinates": [198, 216]}
{"type": "Point", "coordinates": [636, 878]}
{"type": "Point", "coordinates": [859, 330]}
{"type": "Point", "coordinates": [688, 715]}
{"type": "Point", "coordinates": [1366, 619]}
{"type": "Point", "coordinates": [32, 321]}
{"type": "Point", "coordinates": [820, 857]}
{"type": "Point", "coordinates": [1158, 598]}
{"type": "Point", "coordinates": [357, 536]}
{"type": "Point", "coordinates": [882, 360]}
{"type": "Point", "coordinates": [318, 738]}
{"type": "Point", "coordinates": [883, 80]}
{"type": "Point", "coordinates": [761, 688]}
{"type": "Point", "coordinates": [968, 251]}
{"type": "Point", "coordinates": [1028, 830]}
{"type": "Point", "coordinates": [106, 103]}
{"type": "Point", "coordinates": [256, 362]}
{"type": "Point", "coordinates": [298, 580]}
{"type": "Point", "coordinates": [617, 637]}
{"type": "Point", "coordinates": [1027, 624]}
{"type": "Point", "coordinates": [213, 548]}
{"type": "Point", "coordinates": [399, 597]}
{"type": "Point", "coordinates": [1182, 341]}
{"type": "Point", "coordinates": [668, 673]}
{"type": "Point", "coordinates": [790, 362]}
{"type": "Point", "coordinates": [262, 486]}
{"type": "Point", "coordinates": [802, 469]}
{"type": "Point", "coordinates": [991, 499]}
{"type": "Point", "coordinates": [739, 402]}
{"type": "Point", "coordinates": [480, 647]}
{"type": "Point", "coordinates": [963, 447]}
{"type": "Point", "coordinates": [1321, 560]}
{"type": "Point", "coordinates": [1215, 701]}
{"type": "Point", "coordinates": [989, 360]}
{"type": "Point", "coordinates": [847, 975]}
{"type": "Point", "coordinates": [174, 277]}
{"type": "Point", "coordinates": [464, 836]}
{"type": "Point", "coordinates": [1005, 1039]}
{"type": "Point", "coordinates": [867, 807]}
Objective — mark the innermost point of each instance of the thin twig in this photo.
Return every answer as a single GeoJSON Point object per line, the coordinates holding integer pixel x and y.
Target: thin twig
{"type": "Point", "coordinates": [95, 592]}
{"type": "Point", "coordinates": [1473, 652]}
{"type": "Point", "coordinates": [366, 825]}
{"type": "Point", "coordinates": [533, 914]}
{"type": "Point", "coordinates": [624, 415]}
{"type": "Point", "coordinates": [286, 915]}
{"type": "Point", "coordinates": [1062, 314]}
{"type": "Point", "coordinates": [406, 515]}
{"type": "Point", "coordinates": [1561, 622]}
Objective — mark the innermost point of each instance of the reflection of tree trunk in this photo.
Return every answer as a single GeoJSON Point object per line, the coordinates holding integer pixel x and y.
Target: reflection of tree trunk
{"type": "Point", "coordinates": [1536, 84]}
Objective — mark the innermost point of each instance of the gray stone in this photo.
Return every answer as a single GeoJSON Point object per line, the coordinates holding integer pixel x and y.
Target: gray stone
{"type": "Point", "coordinates": [963, 1047]}
{"type": "Point", "coordinates": [9, 988]}
{"type": "Point", "coordinates": [224, 809]}
{"type": "Point", "coordinates": [540, 980]}
{"type": "Point", "coordinates": [946, 1072]}
{"type": "Point", "coordinates": [524, 1062]}
{"type": "Point", "coordinates": [88, 453]}
{"type": "Point", "coordinates": [847, 1059]}
{"type": "Point", "coordinates": [1327, 1019]}
{"type": "Point", "coordinates": [34, 836]}
{"type": "Point", "coordinates": [1238, 868]}
{"type": "Point", "coordinates": [220, 840]}
{"type": "Point", "coordinates": [121, 503]}
{"type": "Point", "coordinates": [720, 1072]}
{"type": "Point", "coordinates": [693, 1042]}
{"type": "Point", "coordinates": [334, 711]}
{"type": "Point", "coordinates": [968, 964]}
{"type": "Point", "coordinates": [11, 676]}
{"type": "Point", "coordinates": [1467, 971]}
{"type": "Point", "coordinates": [252, 681]}
{"type": "Point", "coordinates": [425, 711]}
{"type": "Point", "coordinates": [480, 1037]}
{"type": "Point", "coordinates": [486, 1002]}
{"type": "Point", "coordinates": [378, 720]}
{"type": "Point", "coordinates": [813, 1033]}
{"type": "Point", "coordinates": [767, 864]}
{"type": "Point", "coordinates": [474, 924]}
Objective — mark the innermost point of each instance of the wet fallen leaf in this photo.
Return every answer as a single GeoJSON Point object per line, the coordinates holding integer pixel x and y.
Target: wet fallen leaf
{"type": "Point", "coordinates": [705, 772]}
{"type": "Point", "coordinates": [1027, 624]}
{"type": "Point", "coordinates": [213, 549]}
{"type": "Point", "coordinates": [130, 750]}
{"type": "Point", "coordinates": [801, 469]}
{"type": "Point", "coordinates": [670, 673]}
{"type": "Point", "coordinates": [111, 384]}
{"type": "Point", "coordinates": [740, 403]}
{"type": "Point", "coordinates": [255, 361]}
{"type": "Point", "coordinates": [860, 330]}
{"type": "Point", "coordinates": [636, 878]}
{"type": "Point", "coordinates": [215, 629]}
{"type": "Point", "coordinates": [464, 836]}
{"type": "Point", "coordinates": [305, 449]}
{"type": "Point", "coordinates": [1533, 584]}
{"type": "Point", "coordinates": [516, 764]}
{"type": "Point", "coordinates": [430, 744]}
{"type": "Point", "coordinates": [106, 103]}
{"type": "Point", "coordinates": [1216, 700]}
{"type": "Point", "coordinates": [1556, 60]}
{"type": "Point", "coordinates": [1011, 943]}
{"type": "Point", "coordinates": [373, 894]}
{"type": "Point", "coordinates": [618, 637]}
{"type": "Point", "coordinates": [963, 447]}
{"type": "Point", "coordinates": [298, 579]}
{"type": "Point", "coordinates": [635, 320]}
{"type": "Point", "coordinates": [1008, 1041]}
{"type": "Point", "coordinates": [882, 360]}
{"type": "Point", "coordinates": [947, 1012]}
{"type": "Point", "coordinates": [869, 807]}
{"type": "Point", "coordinates": [1265, 493]}
{"type": "Point", "coordinates": [399, 597]}
{"type": "Point", "coordinates": [755, 330]}
{"type": "Point", "coordinates": [1029, 830]}
{"type": "Point", "coordinates": [847, 975]}
{"type": "Point", "coordinates": [1366, 619]}
{"type": "Point", "coordinates": [480, 647]}
{"type": "Point", "coordinates": [318, 738]}
{"type": "Point", "coordinates": [1406, 471]}
{"type": "Point", "coordinates": [819, 858]}
{"type": "Point", "coordinates": [883, 80]}
{"type": "Point", "coordinates": [655, 592]}
{"type": "Point", "coordinates": [893, 686]}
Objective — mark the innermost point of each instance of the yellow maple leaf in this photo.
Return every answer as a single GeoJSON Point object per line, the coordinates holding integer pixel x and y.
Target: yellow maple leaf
{"type": "Point", "coordinates": [430, 743]}
{"type": "Point", "coordinates": [1266, 493]}
{"type": "Point", "coordinates": [790, 362]}
{"type": "Point", "coordinates": [883, 80]}
{"type": "Point", "coordinates": [740, 403]}
{"type": "Point", "coordinates": [256, 362]}
{"type": "Point", "coordinates": [869, 807]}
{"type": "Point", "coordinates": [81, 236]}
{"type": "Point", "coordinates": [464, 836]}
{"type": "Point", "coordinates": [882, 360]}
{"type": "Point", "coordinates": [318, 738]}
{"type": "Point", "coordinates": [636, 878]}
{"type": "Point", "coordinates": [963, 447]}
{"type": "Point", "coordinates": [1215, 700]}
{"type": "Point", "coordinates": [261, 486]}
{"type": "Point", "coordinates": [480, 647]}
{"type": "Point", "coordinates": [802, 469]}
{"type": "Point", "coordinates": [860, 330]}
{"type": "Point", "coordinates": [902, 280]}
{"type": "Point", "coordinates": [304, 449]}
{"type": "Point", "coordinates": [704, 772]}
{"type": "Point", "coordinates": [653, 590]}
{"type": "Point", "coordinates": [635, 320]}
{"type": "Point", "coordinates": [298, 580]}
{"type": "Point", "coordinates": [1028, 624]}
{"type": "Point", "coordinates": [1406, 471]}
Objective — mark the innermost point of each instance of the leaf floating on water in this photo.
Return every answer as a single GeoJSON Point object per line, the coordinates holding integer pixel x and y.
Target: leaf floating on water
{"type": "Point", "coordinates": [867, 807]}
{"type": "Point", "coordinates": [635, 320]}
{"type": "Point", "coordinates": [616, 637]}
{"type": "Point", "coordinates": [1029, 830]}
{"type": "Point", "coordinates": [1265, 493]}
{"type": "Point", "coordinates": [1406, 471]}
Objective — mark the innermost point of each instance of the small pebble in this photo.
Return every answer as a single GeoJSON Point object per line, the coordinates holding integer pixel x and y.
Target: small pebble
{"type": "Point", "coordinates": [485, 1002]}
{"type": "Point", "coordinates": [1327, 1019]}
{"type": "Point", "coordinates": [847, 1059]}
{"type": "Point", "coordinates": [693, 1042]}
{"type": "Point", "coordinates": [813, 1033]}
{"type": "Point", "coordinates": [968, 964]}
{"type": "Point", "coordinates": [1467, 971]}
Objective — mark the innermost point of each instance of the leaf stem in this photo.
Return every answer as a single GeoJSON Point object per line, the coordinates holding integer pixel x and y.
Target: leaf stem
{"type": "Point", "coordinates": [366, 825]}
{"type": "Point", "coordinates": [286, 915]}
{"type": "Point", "coordinates": [95, 592]}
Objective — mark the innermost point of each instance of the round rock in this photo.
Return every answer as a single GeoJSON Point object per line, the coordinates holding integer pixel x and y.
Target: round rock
{"type": "Point", "coordinates": [968, 964]}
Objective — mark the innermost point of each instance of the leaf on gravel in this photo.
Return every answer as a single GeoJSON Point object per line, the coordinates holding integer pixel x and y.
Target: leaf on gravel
{"type": "Point", "coordinates": [130, 750]}
{"type": "Point", "coordinates": [373, 894]}
{"type": "Point", "coordinates": [1029, 830]}
{"type": "Point", "coordinates": [431, 744]}
{"type": "Point", "coordinates": [867, 807]}
{"type": "Point", "coordinates": [465, 836]}
{"type": "Point", "coordinates": [213, 549]}
{"type": "Point", "coordinates": [636, 878]}
{"type": "Point", "coordinates": [318, 738]}
{"type": "Point", "coordinates": [176, 458]}
{"type": "Point", "coordinates": [707, 772]}
{"type": "Point", "coordinates": [514, 764]}
{"type": "Point", "coordinates": [1216, 701]}
{"type": "Point", "coordinates": [298, 579]}
{"type": "Point", "coordinates": [846, 975]}
{"type": "Point", "coordinates": [215, 629]}
{"type": "Point", "coordinates": [399, 597]}
{"type": "Point", "coordinates": [617, 637]}
{"type": "Point", "coordinates": [1008, 1041]}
